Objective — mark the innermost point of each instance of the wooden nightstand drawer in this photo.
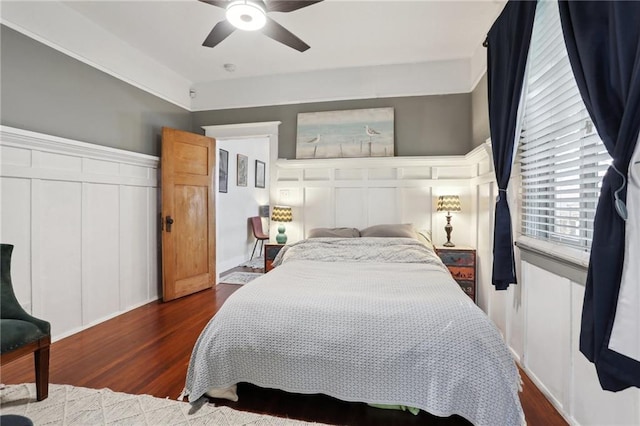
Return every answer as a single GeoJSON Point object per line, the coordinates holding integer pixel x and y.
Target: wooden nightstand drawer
{"type": "Point", "coordinates": [270, 253]}
{"type": "Point", "coordinates": [469, 287]}
{"type": "Point", "coordinates": [461, 262]}
{"type": "Point", "coordinates": [467, 273]}
{"type": "Point", "coordinates": [460, 258]}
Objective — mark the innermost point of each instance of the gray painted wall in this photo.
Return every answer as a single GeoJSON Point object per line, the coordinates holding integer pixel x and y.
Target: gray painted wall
{"type": "Point", "coordinates": [46, 91]}
{"type": "Point", "coordinates": [480, 112]}
{"type": "Point", "coordinates": [49, 92]}
{"type": "Point", "coordinates": [424, 125]}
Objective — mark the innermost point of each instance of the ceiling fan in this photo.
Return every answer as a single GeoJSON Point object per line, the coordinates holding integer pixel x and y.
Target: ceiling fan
{"type": "Point", "coordinates": [251, 15]}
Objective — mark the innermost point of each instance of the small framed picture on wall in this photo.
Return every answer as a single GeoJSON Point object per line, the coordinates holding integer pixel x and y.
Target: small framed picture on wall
{"type": "Point", "coordinates": [223, 170]}
{"type": "Point", "coordinates": [259, 174]}
{"type": "Point", "coordinates": [243, 170]}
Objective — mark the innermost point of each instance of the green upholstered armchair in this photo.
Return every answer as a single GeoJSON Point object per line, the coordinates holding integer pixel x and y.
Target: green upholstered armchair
{"type": "Point", "coordinates": [20, 333]}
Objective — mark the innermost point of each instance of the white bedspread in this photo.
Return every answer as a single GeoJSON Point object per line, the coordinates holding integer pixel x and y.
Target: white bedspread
{"type": "Point", "coordinates": [361, 330]}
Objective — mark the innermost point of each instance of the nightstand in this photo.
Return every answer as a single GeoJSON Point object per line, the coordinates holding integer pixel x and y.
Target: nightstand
{"type": "Point", "coordinates": [461, 262]}
{"type": "Point", "coordinates": [270, 253]}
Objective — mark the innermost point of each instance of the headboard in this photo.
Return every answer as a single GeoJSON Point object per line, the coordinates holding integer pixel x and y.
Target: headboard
{"type": "Point", "coordinates": [361, 192]}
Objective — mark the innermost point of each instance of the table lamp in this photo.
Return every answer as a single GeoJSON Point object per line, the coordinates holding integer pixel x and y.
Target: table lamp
{"type": "Point", "coordinates": [281, 214]}
{"type": "Point", "coordinates": [448, 203]}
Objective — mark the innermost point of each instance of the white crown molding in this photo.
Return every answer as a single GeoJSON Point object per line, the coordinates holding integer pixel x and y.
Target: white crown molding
{"type": "Point", "coordinates": [97, 48]}
{"type": "Point", "coordinates": [242, 130]}
{"type": "Point", "coordinates": [373, 162]}
{"type": "Point", "coordinates": [25, 139]}
{"type": "Point", "coordinates": [384, 81]}
{"type": "Point", "coordinates": [479, 153]}
{"type": "Point", "coordinates": [474, 157]}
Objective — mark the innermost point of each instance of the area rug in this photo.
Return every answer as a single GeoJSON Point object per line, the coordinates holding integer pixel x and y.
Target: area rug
{"type": "Point", "coordinates": [256, 263]}
{"type": "Point", "coordinates": [239, 277]}
{"type": "Point", "coordinates": [69, 405]}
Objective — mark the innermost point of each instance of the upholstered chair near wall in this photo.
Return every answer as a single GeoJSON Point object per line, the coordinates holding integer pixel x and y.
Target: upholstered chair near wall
{"type": "Point", "coordinates": [20, 333]}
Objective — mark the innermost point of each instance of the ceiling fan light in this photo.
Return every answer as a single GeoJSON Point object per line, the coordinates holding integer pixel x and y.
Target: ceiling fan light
{"type": "Point", "coordinates": [246, 15]}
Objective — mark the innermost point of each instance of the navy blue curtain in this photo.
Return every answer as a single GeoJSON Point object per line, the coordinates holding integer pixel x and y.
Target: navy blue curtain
{"type": "Point", "coordinates": [507, 49]}
{"type": "Point", "coordinates": [603, 43]}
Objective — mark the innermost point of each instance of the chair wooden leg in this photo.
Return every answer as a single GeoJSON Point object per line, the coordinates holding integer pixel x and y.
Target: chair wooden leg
{"type": "Point", "coordinates": [41, 357]}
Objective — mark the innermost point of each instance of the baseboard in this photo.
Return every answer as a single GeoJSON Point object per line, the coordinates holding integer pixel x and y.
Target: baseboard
{"type": "Point", "coordinates": [556, 404]}
{"type": "Point", "coordinates": [100, 320]}
{"type": "Point", "coordinates": [225, 265]}
{"type": "Point", "coordinates": [515, 356]}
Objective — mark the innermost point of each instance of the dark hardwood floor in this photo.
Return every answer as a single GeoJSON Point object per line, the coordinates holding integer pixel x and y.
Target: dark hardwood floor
{"type": "Point", "coordinates": [147, 350]}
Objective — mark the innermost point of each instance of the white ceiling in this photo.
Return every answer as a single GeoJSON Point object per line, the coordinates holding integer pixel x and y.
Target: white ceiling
{"type": "Point", "coordinates": [343, 35]}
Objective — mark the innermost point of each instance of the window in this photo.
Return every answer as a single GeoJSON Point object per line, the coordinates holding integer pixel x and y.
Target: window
{"type": "Point", "coordinates": [562, 158]}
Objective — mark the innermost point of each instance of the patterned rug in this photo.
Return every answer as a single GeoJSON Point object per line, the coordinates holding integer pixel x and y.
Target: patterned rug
{"type": "Point", "coordinates": [256, 263]}
{"type": "Point", "coordinates": [69, 405]}
{"type": "Point", "coordinates": [240, 277]}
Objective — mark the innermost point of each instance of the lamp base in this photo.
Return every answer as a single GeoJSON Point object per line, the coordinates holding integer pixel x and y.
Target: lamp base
{"type": "Point", "coordinates": [281, 238]}
{"type": "Point", "coordinates": [448, 228]}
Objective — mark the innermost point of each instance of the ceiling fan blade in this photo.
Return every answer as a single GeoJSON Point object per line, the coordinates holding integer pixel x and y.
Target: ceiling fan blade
{"type": "Point", "coordinates": [279, 33]}
{"type": "Point", "coordinates": [288, 5]}
{"type": "Point", "coordinates": [219, 3]}
{"type": "Point", "coordinates": [262, 4]}
{"type": "Point", "coordinates": [221, 31]}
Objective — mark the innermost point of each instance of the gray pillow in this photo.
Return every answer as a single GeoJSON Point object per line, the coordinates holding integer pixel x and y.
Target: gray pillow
{"type": "Point", "coordinates": [334, 233]}
{"type": "Point", "coordinates": [405, 230]}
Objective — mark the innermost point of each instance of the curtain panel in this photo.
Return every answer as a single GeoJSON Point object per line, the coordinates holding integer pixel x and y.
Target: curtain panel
{"type": "Point", "coordinates": [507, 50]}
{"type": "Point", "coordinates": [603, 43]}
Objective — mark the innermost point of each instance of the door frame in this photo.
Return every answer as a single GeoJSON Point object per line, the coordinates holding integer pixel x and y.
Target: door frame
{"type": "Point", "coordinates": [268, 129]}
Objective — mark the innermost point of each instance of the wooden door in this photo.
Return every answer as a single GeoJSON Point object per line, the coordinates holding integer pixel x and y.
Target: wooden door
{"type": "Point", "coordinates": [188, 213]}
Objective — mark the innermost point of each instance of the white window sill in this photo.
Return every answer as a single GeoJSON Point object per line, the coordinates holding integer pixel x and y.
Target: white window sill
{"type": "Point", "coordinates": [565, 261]}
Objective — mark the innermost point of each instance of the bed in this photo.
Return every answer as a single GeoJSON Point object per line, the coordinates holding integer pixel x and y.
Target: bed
{"type": "Point", "coordinates": [374, 319]}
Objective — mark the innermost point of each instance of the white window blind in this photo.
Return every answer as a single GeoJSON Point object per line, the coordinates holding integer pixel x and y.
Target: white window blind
{"type": "Point", "coordinates": [562, 158]}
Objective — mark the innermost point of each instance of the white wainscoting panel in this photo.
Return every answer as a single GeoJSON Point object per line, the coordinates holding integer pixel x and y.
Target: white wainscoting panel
{"type": "Point", "coordinates": [416, 206]}
{"type": "Point", "coordinates": [15, 228]}
{"type": "Point", "coordinates": [51, 161]}
{"type": "Point", "coordinates": [548, 325]}
{"type": "Point", "coordinates": [590, 405]}
{"type": "Point", "coordinates": [552, 359]}
{"type": "Point", "coordinates": [58, 281]}
{"type": "Point", "coordinates": [515, 310]}
{"type": "Point", "coordinates": [318, 207]}
{"type": "Point", "coordinates": [100, 250]}
{"type": "Point", "coordinates": [83, 220]}
{"type": "Point", "coordinates": [135, 252]}
{"type": "Point", "coordinates": [415, 172]}
{"type": "Point", "coordinates": [361, 192]}
{"type": "Point", "coordinates": [13, 156]}
{"type": "Point", "coordinates": [383, 205]}
{"type": "Point", "coordinates": [351, 206]}
{"type": "Point", "coordinates": [100, 167]}
{"type": "Point", "coordinates": [484, 256]}
{"type": "Point", "coordinates": [497, 302]}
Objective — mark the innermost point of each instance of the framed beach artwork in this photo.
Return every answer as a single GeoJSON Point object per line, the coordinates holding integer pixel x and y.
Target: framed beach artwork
{"type": "Point", "coordinates": [348, 134]}
{"type": "Point", "coordinates": [260, 172]}
{"type": "Point", "coordinates": [223, 170]}
{"type": "Point", "coordinates": [243, 170]}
